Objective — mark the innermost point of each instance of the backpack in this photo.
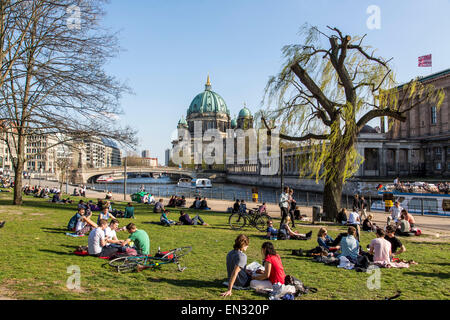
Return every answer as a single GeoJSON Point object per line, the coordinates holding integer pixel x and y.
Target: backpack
{"type": "Point", "coordinates": [73, 222]}
{"type": "Point", "coordinates": [300, 288]}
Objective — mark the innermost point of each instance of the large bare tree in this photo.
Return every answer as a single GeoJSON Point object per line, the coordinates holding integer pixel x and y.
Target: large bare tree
{"type": "Point", "coordinates": [329, 88]}
{"type": "Point", "coordinates": [56, 83]}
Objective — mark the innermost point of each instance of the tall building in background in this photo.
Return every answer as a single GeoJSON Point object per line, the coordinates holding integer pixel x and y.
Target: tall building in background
{"type": "Point", "coordinates": [145, 154]}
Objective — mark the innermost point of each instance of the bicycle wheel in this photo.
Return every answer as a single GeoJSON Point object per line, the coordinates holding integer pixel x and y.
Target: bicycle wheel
{"type": "Point", "coordinates": [237, 221]}
{"type": "Point", "coordinates": [261, 222]}
{"type": "Point", "coordinates": [124, 264]}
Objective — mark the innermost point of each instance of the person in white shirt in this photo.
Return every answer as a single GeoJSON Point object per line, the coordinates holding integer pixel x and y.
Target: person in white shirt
{"type": "Point", "coordinates": [110, 234]}
{"type": "Point", "coordinates": [354, 221]}
{"type": "Point", "coordinates": [97, 242]}
{"type": "Point", "coordinates": [395, 212]}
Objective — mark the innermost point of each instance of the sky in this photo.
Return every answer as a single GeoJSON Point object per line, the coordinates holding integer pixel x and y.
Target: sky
{"type": "Point", "coordinates": [169, 48]}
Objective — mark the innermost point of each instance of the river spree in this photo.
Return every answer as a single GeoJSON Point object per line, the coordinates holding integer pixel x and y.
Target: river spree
{"type": "Point", "coordinates": [164, 187]}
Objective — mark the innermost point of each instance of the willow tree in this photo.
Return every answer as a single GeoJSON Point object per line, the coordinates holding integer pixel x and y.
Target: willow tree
{"type": "Point", "coordinates": [328, 89]}
{"type": "Point", "coordinates": [56, 84]}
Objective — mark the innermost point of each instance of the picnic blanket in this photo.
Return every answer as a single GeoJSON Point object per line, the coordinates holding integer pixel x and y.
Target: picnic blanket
{"type": "Point", "coordinates": [74, 235]}
{"type": "Point", "coordinates": [85, 253]}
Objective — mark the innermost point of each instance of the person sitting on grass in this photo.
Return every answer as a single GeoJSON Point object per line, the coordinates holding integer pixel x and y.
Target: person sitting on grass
{"type": "Point", "coordinates": [129, 211]}
{"type": "Point", "coordinates": [172, 202]}
{"type": "Point", "coordinates": [368, 225]}
{"type": "Point", "coordinates": [204, 205]}
{"type": "Point", "coordinates": [403, 228]}
{"type": "Point", "coordinates": [409, 218]}
{"type": "Point", "coordinates": [111, 236]}
{"type": "Point", "coordinates": [236, 265]}
{"type": "Point", "coordinates": [108, 195]}
{"type": "Point", "coordinates": [164, 219]}
{"type": "Point", "coordinates": [2, 224]}
{"type": "Point", "coordinates": [97, 243]}
{"type": "Point", "coordinates": [56, 198]}
{"type": "Point", "coordinates": [342, 216]}
{"type": "Point", "coordinates": [396, 245]}
{"type": "Point", "coordinates": [181, 202]}
{"type": "Point", "coordinates": [350, 246]}
{"type": "Point", "coordinates": [273, 273]}
{"type": "Point", "coordinates": [286, 233]}
{"type": "Point", "coordinates": [353, 221]}
{"type": "Point", "coordinates": [186, 220]}
{"type": "Point", "coordinates": [380, 248]}
{"type": "Point", "coordinates": [324, 240]}
{"type": "Point", "coordinates": [262, 208]}
{"type": "Point", "coordinates": [159, 207]}
{"type": "Point", "coordinates": [84, 223]}
{"type": "Point", "coordinates": [140, 239]}
{"type": "Point", "coordinates": [271, 231]}
{"type": "Point", "coordinates": [104, 214]}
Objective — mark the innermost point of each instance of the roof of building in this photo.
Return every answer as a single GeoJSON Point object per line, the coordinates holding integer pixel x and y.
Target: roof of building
{"type": "Point", "coordinates": [208, 101]}
{"type": "Point", "coordinates": [368, 129]}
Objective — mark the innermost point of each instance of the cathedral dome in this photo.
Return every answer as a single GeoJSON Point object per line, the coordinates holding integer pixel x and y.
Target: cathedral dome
{"type": "Point", "coordinates": [208, 101]}
{"type": "Point", "coordinates": [245, 113]}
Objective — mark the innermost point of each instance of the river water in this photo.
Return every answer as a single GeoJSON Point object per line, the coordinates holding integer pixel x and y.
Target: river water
{"type": "Point", "coordinates": [165, 187]}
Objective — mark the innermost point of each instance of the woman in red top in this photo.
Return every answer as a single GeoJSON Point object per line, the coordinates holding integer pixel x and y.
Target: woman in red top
{"type": "Point", "coordinates": [273, 269]}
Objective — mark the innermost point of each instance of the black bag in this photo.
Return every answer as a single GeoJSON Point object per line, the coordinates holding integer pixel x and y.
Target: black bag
{"type": "Point", "coordinates": [300, 288]}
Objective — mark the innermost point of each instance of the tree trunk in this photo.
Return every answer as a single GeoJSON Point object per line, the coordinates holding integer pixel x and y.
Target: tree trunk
{"type": "Point", "coordinates": [18, 177]}
{"type": "Point", "coordinates": [18, 169]}
{"type": "Point", "coordinates": [332, 192]}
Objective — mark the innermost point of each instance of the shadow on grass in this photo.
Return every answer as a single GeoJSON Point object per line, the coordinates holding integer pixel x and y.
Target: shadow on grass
{"type": "Point", "coordinates": [58, 252]}
{"type": "Point", "coordinates": [440, 275]}
{"type": "Point", "coordinates": [189, 283]}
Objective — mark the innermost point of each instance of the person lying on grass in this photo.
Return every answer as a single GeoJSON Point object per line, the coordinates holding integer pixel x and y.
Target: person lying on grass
{"type": "Point", "coordinates": [286, 233]}
{"type": "Point", "coordinates": [140, 239]}
{"type": "Point", "coordinates": [97, 242]}
{"type": "Point", "coordinates": [84, 223]}
{"type": "Point", "coordinates": [273, 270]}
{"type": "Point", "coordinates": [236, 264]}
{"type": "Point", "coordinates": [164, 219]}
{"type": "Point", "coordinates": [186, 220]}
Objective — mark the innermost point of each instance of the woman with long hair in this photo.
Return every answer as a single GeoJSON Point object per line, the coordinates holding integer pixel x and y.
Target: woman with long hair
{"type": "Point", "coordinates": [273, 269]}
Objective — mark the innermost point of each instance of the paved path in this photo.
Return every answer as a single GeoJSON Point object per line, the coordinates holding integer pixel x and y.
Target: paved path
{"type": "Point", "coordinates": [431, 225]}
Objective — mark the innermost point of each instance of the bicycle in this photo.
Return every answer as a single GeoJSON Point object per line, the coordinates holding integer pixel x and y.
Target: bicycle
{"type": "Point", "coordinates": [239, 220]}
{"type": "Point", "coordinates": [139, 263]}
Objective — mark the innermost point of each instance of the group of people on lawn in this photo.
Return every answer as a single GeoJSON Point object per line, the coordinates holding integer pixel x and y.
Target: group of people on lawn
{"type": "Point", "coordinates": [103, 241]}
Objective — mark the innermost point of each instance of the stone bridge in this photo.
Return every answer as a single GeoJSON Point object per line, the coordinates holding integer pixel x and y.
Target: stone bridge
{"type": "Point", "coordinates": [89, 175]}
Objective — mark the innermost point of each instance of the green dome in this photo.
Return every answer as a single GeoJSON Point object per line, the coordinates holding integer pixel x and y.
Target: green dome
{"type": "Point", "coordinates": [245, 113]}
{"type": "Point", "coordinates": [233, 123]}
{"type": "Point", "coordinates": [208, 101]}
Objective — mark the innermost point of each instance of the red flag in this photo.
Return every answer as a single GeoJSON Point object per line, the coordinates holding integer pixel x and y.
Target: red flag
{"type": "Point", "coordinates": [425, 61]}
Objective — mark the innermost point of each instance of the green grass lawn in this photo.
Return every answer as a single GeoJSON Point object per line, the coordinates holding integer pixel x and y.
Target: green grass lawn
{"type": "Point", "coordinates": [35, 254]}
